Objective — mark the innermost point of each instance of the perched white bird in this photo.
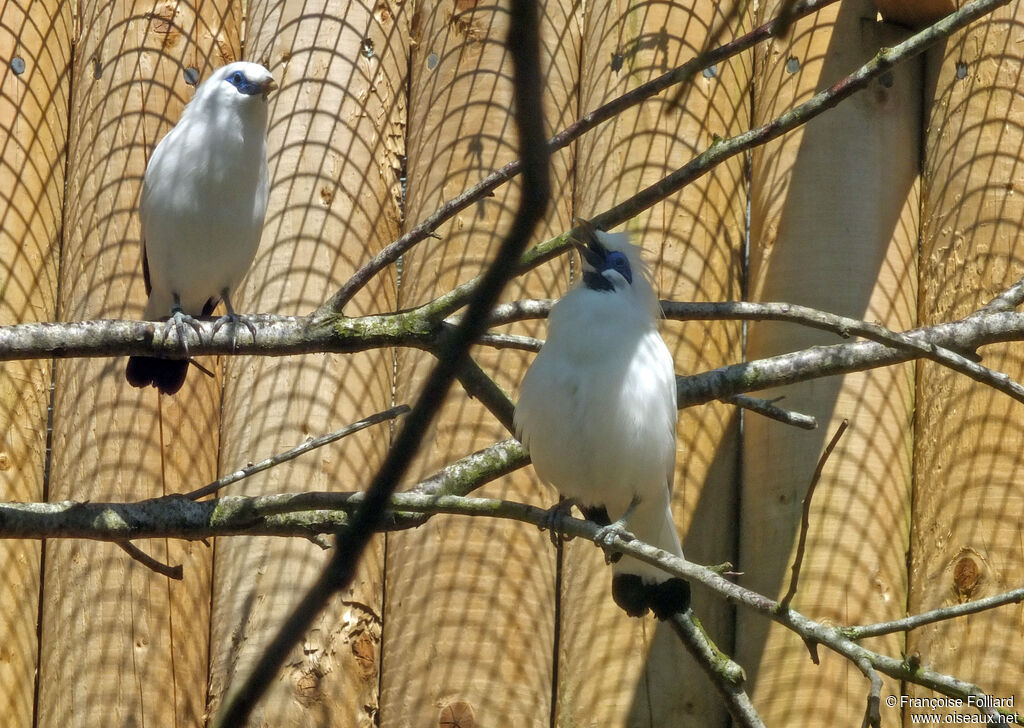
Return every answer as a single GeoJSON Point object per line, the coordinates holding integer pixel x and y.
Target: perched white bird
{"type": "Point", "coordinates": [204, 198]}
{"type": "Point", "coordinates": [597, 412]}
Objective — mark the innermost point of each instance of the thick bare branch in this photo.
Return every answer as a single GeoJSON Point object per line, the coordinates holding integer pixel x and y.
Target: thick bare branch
{"type": "Point", "coordinates": [304, 514]}
{"type": "Point", "coordinates": [726, 675]}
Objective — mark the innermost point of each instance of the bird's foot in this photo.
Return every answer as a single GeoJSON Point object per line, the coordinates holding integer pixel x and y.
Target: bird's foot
{"type": "Point", "coordinates": [554, 514]}
{"type": "Point", "coordinates": [599, 515]}
{"type": "Point", "coordinates": [179, 319]}
{"type": "Point", "coordinates": [606, 535]}
{"type": "Point", "coordinates": [605, 538]}
{"type": "Point", "coordinates": [233, 319]}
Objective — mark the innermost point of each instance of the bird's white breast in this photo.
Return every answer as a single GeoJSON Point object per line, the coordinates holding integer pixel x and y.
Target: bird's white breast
{"type": "Point", "coordinates": [203, 204]}
{"type": "Point", "coordinates": [598, 407]}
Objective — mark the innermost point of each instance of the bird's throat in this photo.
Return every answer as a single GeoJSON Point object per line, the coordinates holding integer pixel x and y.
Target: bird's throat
{"type": "Point", "coordinates": [596, 282]}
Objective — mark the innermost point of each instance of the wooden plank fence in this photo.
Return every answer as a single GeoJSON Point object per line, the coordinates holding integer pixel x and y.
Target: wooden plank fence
{"type": "Point", "coordinates": [902, 206]}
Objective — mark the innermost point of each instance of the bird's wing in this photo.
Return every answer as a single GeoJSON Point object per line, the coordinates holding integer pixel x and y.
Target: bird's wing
{"type": "Point", "coordinates": [145, 269]}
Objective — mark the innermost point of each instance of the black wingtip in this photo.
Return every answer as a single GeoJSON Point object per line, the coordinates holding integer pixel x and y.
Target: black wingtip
{"type": "Point", "coordinates": [167, 375]}
{"type": "Point", "coordinates": [628, 593]}
{"type": "Point", "coordinates": [668, 598]}
{"type": "Point", "coordinates": [665, 599]}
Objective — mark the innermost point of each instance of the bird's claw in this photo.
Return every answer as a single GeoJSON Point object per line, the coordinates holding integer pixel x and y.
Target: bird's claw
{"type": "Point", "coordinates": [179, 319]}
{"type": "Point", "coordinates": [554, 514]}
{"type": "Point", "coordinates": [233, 319]}
{"type": "Point", "coordinates": [605, 539]}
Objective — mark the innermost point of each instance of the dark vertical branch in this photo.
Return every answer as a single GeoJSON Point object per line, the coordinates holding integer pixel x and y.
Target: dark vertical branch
{"type": "Point", "coordinates": [351, 539]}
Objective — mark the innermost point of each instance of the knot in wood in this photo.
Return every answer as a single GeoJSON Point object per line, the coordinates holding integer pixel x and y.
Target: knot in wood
{"type": "Point", "coordinates": [457, 714]}
{"type": "Point", "coordinates": [965, 577]}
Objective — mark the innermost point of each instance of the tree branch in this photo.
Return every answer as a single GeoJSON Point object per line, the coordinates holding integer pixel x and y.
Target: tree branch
{"type": "Point", "coordinates": [308, 446]}
{"type": "Point", "coordinates": [591, 120]}
{"type": "Point", "coordinates": [171, 572]}
{"type": "Point", "coordinates": [822, 361]}
{"type": "Point", "coordinates": [884, 60]}
{"type": "Point", "coordinates": [307, 513]}
{"type": "Point", "coordinates": [769, 409]}
{"type": "Point", "coordinates": [805, 518]}
{"type": "Point", "coordinates": [1015, 596]}
{"type": "Point", "coordinates": [725, 674]}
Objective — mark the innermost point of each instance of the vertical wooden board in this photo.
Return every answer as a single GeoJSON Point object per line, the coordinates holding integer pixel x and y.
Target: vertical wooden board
{"type": "Point", "coordinates": [915, 13]}
{"type": "Point", "coordinates": [335, 141]}
{"type": "Point", "coordinates": [834, 225]}
{"type": "Point", "coordinates": [35, 47]}
{"type": "Point", "coordinates": [470, 603]}
{"type": "Point", "coordinates": [615, 670]}
{"type": "Point", "coordinates": [968, 498]}
{"type": "Point", "coordinates": [121, 644]}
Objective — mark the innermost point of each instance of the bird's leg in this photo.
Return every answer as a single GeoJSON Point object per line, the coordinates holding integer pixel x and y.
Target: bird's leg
{"type": "Point", "coordinates": [180, 319]}
{"type": "Point", "coordinates": [233, 319]}
{"type": "Point", "coordinates": [606, 535]}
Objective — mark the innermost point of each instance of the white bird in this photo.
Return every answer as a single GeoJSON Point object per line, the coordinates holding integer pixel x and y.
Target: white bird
{"type": "Point", "coordinates": [597, 413]}
{"type": "Point", "coordinates": [204, 199]}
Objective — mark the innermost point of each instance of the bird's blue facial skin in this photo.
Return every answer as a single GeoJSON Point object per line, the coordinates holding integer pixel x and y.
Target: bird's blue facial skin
{"type": "Point", "coordinates": [613, 260]}
{"type": "Point", "coordinates": [618, 262]}
{"type": "Point", "coordinates": [243, 84]}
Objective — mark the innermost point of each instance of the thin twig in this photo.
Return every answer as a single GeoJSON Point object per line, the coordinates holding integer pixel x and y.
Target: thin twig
{"type": "Point", "coordinates": [1014, 596]}
{"type": "Point", "coordinates": [1007, 300]}
{"type": "Point", "coordinates": [308, 446]}
{"type": "Point", "coordinates": [883, 61]}
{"type": "Point", "coordinates": [805, 518]}
{"type": "Point", "coordinates": [873, 709]}
{"type": "Point", "coordinates": [769, 409]}
{"type": "Point", "coordinates": [726, 675]}
{"type": "Point", "coordinates": [511, 341]}
{"type": "Point", "coordinates": [592, 119]}
{"type": "Point", "coordinates": [352, 538]}
{"type": "Point", "coordinates": [478, 384]}
{"type": "Point", "coordinates": [172, 572]}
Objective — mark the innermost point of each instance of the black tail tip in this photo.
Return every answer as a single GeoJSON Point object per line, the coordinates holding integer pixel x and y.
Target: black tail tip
{"type": "Point", "coordinates": [665, 598]}
{"type": "Point", "coordinates": [167, 375]}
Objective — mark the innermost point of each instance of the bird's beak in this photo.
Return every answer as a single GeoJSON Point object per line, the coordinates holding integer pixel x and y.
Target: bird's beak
{"type": "Point", "coordinates": [591, 249]}
{"type": "Point", "coordinates": [267, 86]}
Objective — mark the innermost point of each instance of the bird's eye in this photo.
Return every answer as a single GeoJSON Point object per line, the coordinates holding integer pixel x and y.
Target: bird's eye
{"type": "Point", "coordinates": [618, 262]}
{"type": "Point", "coordinates": [237, 78]}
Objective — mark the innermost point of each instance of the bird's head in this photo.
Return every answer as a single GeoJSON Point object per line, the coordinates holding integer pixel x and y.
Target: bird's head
{"type": "Point", "coordinates": [238, 82]}
{"type": "Point", "coordinates": [612, 264]}
{"type": "Point", "coordinates": [610, 261]}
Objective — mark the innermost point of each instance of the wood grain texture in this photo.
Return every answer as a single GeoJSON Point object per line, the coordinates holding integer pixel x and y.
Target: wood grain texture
{"type": "Point", "coordinates": [834, 225]}
{"type": "Point", "coordinates": [335, 141]}
{"type": "Point", "coordinates": [35, 49]}
{"type": "Point", "coordinates": [915, 13]}
{"type": "Point", "coordinates": [969, 497]}
{"type": "Point", "coordinates": [122, 644]}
